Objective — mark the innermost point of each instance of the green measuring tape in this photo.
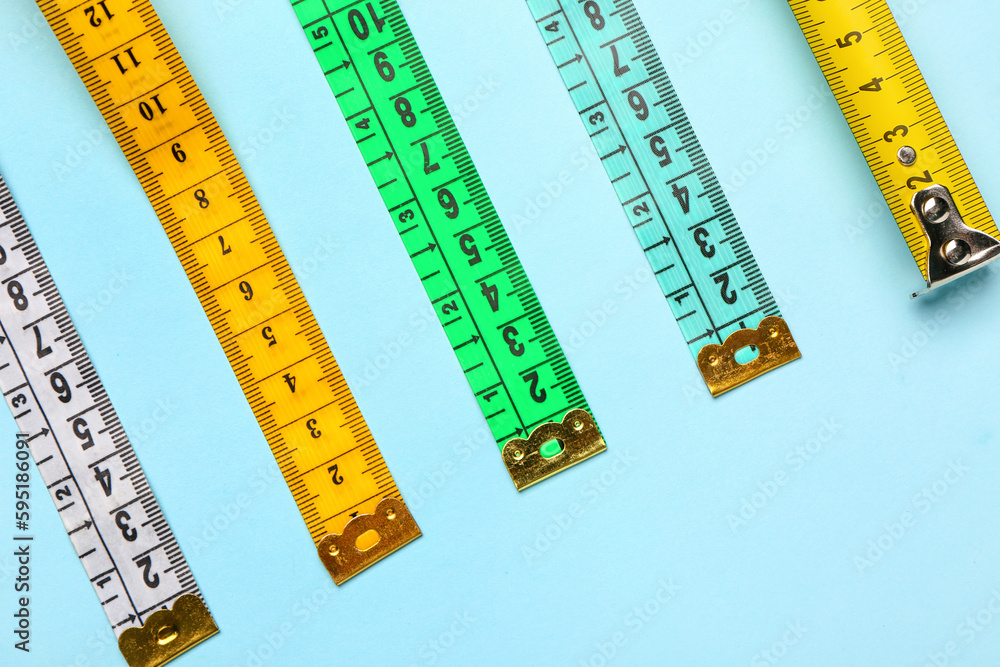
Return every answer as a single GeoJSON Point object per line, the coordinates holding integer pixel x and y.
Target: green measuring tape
{"type": "Point", "coordinates": [667, 187]}
{"type": "Point", "coordinates": [518, 372]}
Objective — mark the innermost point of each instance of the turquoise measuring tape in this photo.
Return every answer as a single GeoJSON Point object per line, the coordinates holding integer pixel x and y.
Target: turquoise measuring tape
{"type": "Point", "coordinates": [666, 185]}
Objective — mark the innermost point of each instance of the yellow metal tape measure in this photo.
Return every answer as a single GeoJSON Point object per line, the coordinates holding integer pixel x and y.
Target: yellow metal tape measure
{"type": "Point", "coordinates": [326, 453]}
{"type": "Point", "coordinates": [902, 134]}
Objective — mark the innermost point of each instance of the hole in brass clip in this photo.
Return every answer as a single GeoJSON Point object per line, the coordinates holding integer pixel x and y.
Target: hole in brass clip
{"type": "Point", "coordinates": [166, 634]}
{"type": "Point", "coordinates": [746, 354]}
{"type": "Point", "coordinates": [552, 448]}
{"type": "Point", "coordinates": [367, 540]}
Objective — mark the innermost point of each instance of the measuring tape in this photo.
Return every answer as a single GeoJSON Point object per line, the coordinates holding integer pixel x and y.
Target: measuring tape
{"type": "Point", "coordinates": [453, 235]}
{"type": "Point", "coordinates": [87, 462]}
{"type": "Point", "coordinates": [902, 134]}
{"type": "Point", "coordinates": [326, 453]}
{"type": "Point", "coordinates": [667, 187]}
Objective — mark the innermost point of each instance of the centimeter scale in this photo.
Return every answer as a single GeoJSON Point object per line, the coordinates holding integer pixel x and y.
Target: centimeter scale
{"type": "Point", "coordinates": [87, 463]}
{"type": "Point", "coordinates": [299, 397]}
{"type": "Point", "coordinates": [902, 135]}
{"type": "Point", "coordinates": [490, 314]}
{"type": "Point", "coordinates": [667, 187]}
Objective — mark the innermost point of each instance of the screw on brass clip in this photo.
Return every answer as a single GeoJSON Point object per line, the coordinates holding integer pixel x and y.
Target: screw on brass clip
{"type": "Point", "coordinates": [955, 248]}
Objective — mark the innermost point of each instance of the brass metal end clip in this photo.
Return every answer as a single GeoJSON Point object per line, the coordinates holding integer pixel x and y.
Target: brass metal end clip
{"type": "Point", "coordinates": [578, 439]}
{"type": "Point", "coordinates": [718, 362]}
{"type": "Point", "coordinates": [956, 248]}
{"type": "Point", "coordinates": [393, 526]}
{"type": "Point", "coordinates": [167, 633]}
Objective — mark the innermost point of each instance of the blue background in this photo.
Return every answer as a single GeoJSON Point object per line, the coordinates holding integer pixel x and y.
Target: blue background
{"type": "Point", "coordinates": [869, 549]}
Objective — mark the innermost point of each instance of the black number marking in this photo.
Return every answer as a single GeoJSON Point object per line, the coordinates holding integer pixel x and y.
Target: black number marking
{"type": "Point", "coordinates": [516, 348]}
{"type": "Point", "coordinates": [619, 70]}
{"type": "Point", "coordinates": [128, 532]}
{"type": "Point", "coordinates": [61, 387]}
{"type": "Point", "coordinates": [16, 293]}
{"type": "Point", "coordinates": [91, 12]}
{"type": "Point", "coordinates": [337, 479]}
{"type": "Point", "coordinates": [728, 295]}
{"type": "Point", "coordinates": [537, 395]}
{"type": "Point", "coordinates": [81, 431]}
{"type": "Point", "coordinates": [701, 238]}
{"type": "Point", "coordinates": [124, 68]}
{"type": "Point", "coordinates": [468, 246]}
{"type": "Point", "coordinates": [146, 110]}
{"type": "Point", "coordinates": [268, 336]}
{"type": "Point", "coordinates": [360, 26]}
{"type": "Point", "coordinates": [201, 198]}
{"type": "Point", "coordinates": [39, 350]}
{"type": "Point", "coordinates": [849, 39]}
{"type": "Point", "coordinates": [593, 12]}
{"type": "Point", "coordinates": [448, 203]}
{"type": "Point", "coordinates": [104, 477]}
{"type": "Point", "coordinates": [492, 295]}
{"type": "Point", "coordinates": [428, 167]}
{"type": "Point", "coordinates": [384, 67]}
{"type": "Point", "coordinates": [146, 563]}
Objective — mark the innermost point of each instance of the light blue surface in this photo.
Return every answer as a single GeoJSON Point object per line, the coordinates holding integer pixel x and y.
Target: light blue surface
{"type": "Point", "coordinates": [506, 578]}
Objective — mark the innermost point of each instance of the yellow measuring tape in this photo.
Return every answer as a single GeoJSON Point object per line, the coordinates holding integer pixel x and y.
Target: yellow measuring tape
{"type": "Point", "coordinates": [326, 453]}
{"type": "Point", "coordinates": [902, 134]}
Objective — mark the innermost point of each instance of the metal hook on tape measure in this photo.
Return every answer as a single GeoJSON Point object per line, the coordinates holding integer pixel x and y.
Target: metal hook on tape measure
{"type": "Point", "coordinates": [956, 248]}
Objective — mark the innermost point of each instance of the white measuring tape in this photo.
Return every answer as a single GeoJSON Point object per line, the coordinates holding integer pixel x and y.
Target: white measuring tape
{"type": "Point", "coordinates": [87, 463]}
